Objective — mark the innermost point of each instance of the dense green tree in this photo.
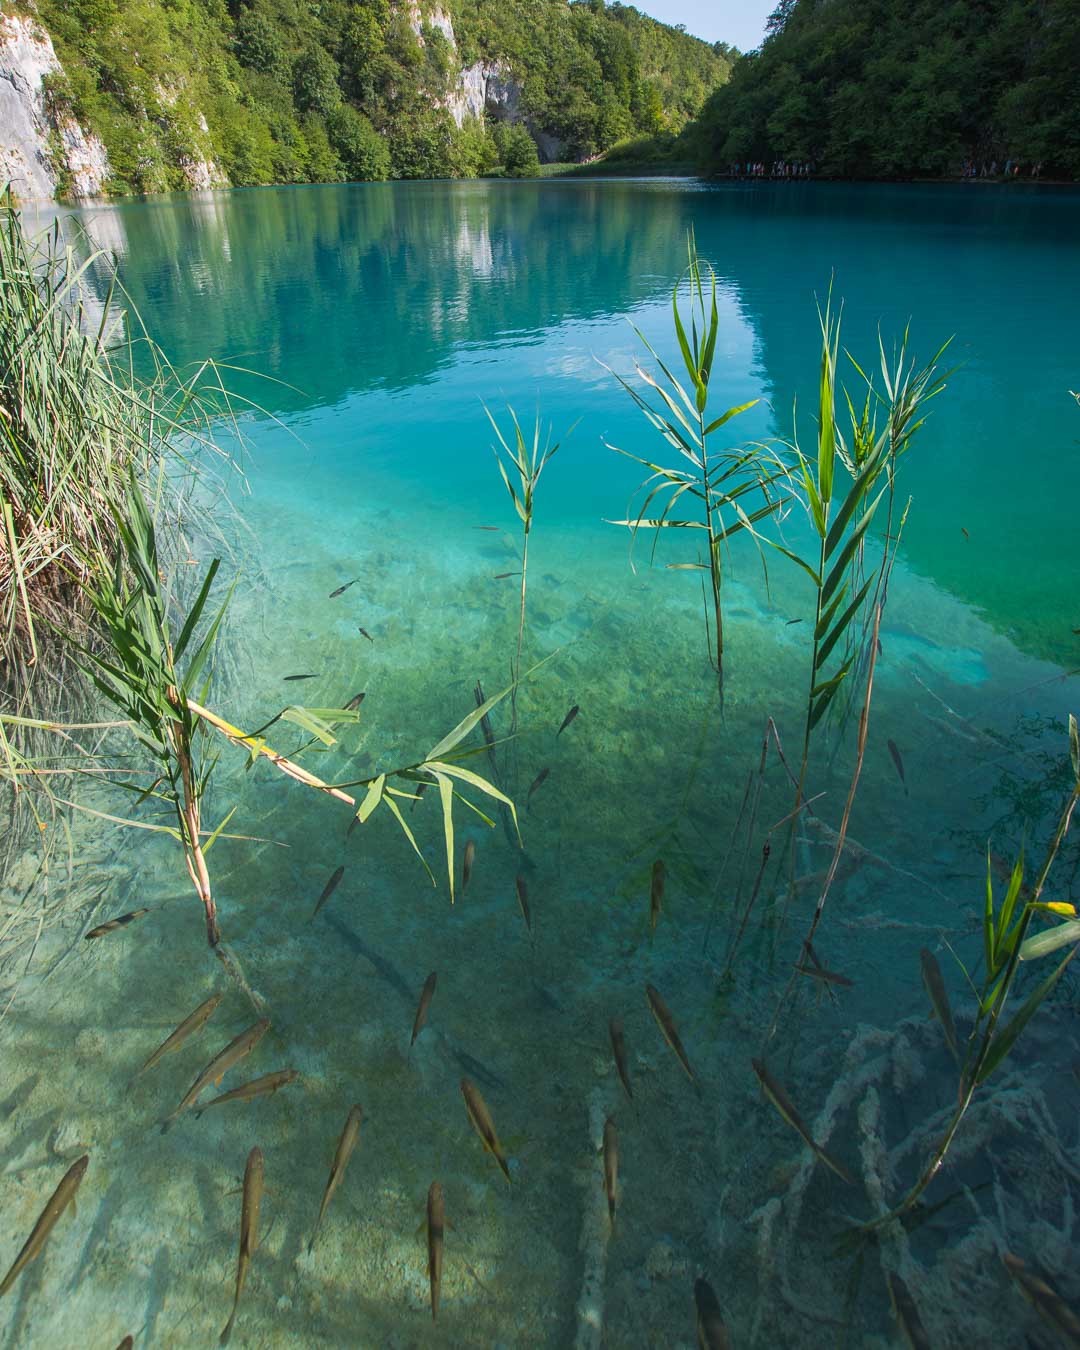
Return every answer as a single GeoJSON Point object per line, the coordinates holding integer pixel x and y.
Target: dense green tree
{"type": "Point", "coordinates": [870, 88]}
{"type": "Point", "coordinates": [296, 91]}
{"type": "Point", "coordinates": [520, 159]}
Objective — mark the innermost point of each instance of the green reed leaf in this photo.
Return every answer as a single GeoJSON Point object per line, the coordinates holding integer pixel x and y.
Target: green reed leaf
{"type": "Point", "coordinates": [1005, 1039]}
{"type": "Point", "coordinates": [1042, 944]}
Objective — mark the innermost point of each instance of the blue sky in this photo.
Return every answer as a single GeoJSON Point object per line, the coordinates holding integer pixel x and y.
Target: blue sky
{"type": "Point", "coordinates": [741, 24]}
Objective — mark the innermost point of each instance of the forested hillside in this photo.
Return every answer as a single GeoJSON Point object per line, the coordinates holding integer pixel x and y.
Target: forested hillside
{"type": "Point", "coordinates": [879, 89]}
{"type": "Point", "coordinates": [283, 91]}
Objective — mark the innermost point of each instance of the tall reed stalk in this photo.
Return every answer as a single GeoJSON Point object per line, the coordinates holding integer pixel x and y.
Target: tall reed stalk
{"type": "Point", "coordinates": [1006, 947]}
{"type": "Point", "coordinates": [523, 461]}
{"type": "Point", "coordinates": [719, 482]}
{"type": "Point", "coordinates": [844, 593]}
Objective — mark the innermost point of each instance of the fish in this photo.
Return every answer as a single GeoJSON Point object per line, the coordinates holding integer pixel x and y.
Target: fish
{"type": "Point", "coordinates": [787, 624]}
{"type": "Point", "coordinates": [63, 1196]}
{"type": "Point", "coordinates": [121, 921]}
{"type": "Point", "coordinates": [818, 971]}
{"type": "Point", "coordinates": [127, 1343]}
{"type": "Point", "coordinates": [249, 1230]}
{"type": "Point", "coordinates": [435, 1225]}
{"type": "Point", "coordinates": [656, 893]}
{"type": "Point", "coordinates": [222, 1062]}
{"type": "Point", "coordinates": [1046, 1301]}
{"type": "Point", "coordinates": [611, 1167]}
{"type": "Point", "coordinates": [355, 701]}
{"type": "Point", "coordinates": [329, 888]}
{"type": "Point", "coordinates": [191, 1024]}
{"type": "Point", "coordinates": [711, 1332]}
{"type": "Point", "coordinates": [666, 1023]}
{"type": "Point", "coordinates": [825, 976]}
{"type": "Point", "coordinates": [964, 532]}
{"type": "Point", "coordinates": [393, 977]}
{"type": "Point", "coordinates": [906, 1313]}
{"type": "Point", "coordinates": [568, 719]}
{"type": "Point", "coordinates": [496, 528]}
{"type": "Point", "coordinates": [786, 1108]}
{"type": "Point", "coordinates": [300, 677]}
{"type": "Point", "coordinates": [480, 1119]}
{"type": "Point", "coordinates": [342, 589]}
{"type": "Point", "coordinates": [898, 762]}
{"type": "Point", "coordinates": [537, 782]}
{"type": "Point", "coordinates": [265, 1086]}
{"type": "Point", "coordinates": [467, 862]}
{"type": "Point", "coordinates": [349, 1136]}
{"type": "Point", "coordinates": [421, 788]}
{"type": "Point", "coordinates": [618, 1049]}
{"type": "Point", "coordinates": [500, 576]}
{"type": "Point", "coordinates": [939, 999]}
{"type": "Point", "coordinates": [364, 633]}
{"type": "Point", "coordinates": [485, 727]}
{"type": "Point", "coordinates": [523, 900]}
{"type": "Point", "coordinates": [426, 995]}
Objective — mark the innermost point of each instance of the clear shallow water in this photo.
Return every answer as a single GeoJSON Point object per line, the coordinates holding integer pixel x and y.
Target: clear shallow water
{"type": "Point", "coordinates": [391, 312]}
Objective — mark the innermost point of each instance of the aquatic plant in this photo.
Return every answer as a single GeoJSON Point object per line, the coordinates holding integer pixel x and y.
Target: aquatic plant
{"type": "Point", "coordinates": [74, 419]}
{"type": "Point", "coordinates": [1006, 946]}
{"type": "Point", "coordinates": [718, 481]}
{"type": "Point", "coordinates": [842, 588]}
{"type": "Point", "coordinates": [526, 461]}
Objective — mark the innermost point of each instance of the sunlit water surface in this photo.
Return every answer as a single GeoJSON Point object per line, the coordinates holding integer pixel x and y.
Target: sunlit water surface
{"type": "Point", "coordinates": [381, 319]}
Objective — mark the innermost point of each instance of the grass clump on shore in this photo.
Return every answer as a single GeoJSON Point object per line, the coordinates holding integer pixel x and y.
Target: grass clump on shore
{"type": "Point", "coordinates": [75, 420]}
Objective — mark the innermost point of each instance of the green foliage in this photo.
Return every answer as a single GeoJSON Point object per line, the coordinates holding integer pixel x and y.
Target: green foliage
{"type": "Point", "coordinates": [362, 150]}
{"type": "Point", "coordinates": [295, 92]}
{"type": "Point", "coordinates": [722, 491]}
{"type": "Point", "coordinates": [867, 88]}
{"type": "Point", "coordinates": [519, 156]}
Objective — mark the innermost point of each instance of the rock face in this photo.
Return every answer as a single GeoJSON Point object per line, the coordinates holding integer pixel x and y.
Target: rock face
{"type": "Point", "coordinates": [483, 87]}
{"type": "Point", "coordinates": [33, 154]}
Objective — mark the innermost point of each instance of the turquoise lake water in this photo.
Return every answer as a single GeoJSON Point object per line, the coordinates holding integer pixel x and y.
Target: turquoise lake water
{"type": "Point", "coordinates": [382, 318]}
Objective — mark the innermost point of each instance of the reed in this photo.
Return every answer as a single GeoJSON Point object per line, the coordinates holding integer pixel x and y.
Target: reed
{"type": "Point", "coordinates": [1006, 946]}
{"type": "Point", "coordinates": [733, 489]}
{"type": "Point", "coordinates": [75, 419]}
{"type": "Point", "coordinates": [521, 462]}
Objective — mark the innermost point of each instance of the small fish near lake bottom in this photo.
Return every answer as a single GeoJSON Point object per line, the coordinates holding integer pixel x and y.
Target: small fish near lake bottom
{"type": "Point", "coordinates": [63, 1196]}
{"type": "Point", "coordinates": [568, 719]}
{"type": "Point", "coordinates": [121, 921]}
{"type": "Point", "coordinates": [349, 1137]}
{"type": "Point", "coordinates": [482, 1123]}
{"type": "Point", "coordinates": [249, 1231]}
{"type": "Point", "coordinates": [666, 1023]}
{"type": "Point", "coordinates": [329, 889]}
